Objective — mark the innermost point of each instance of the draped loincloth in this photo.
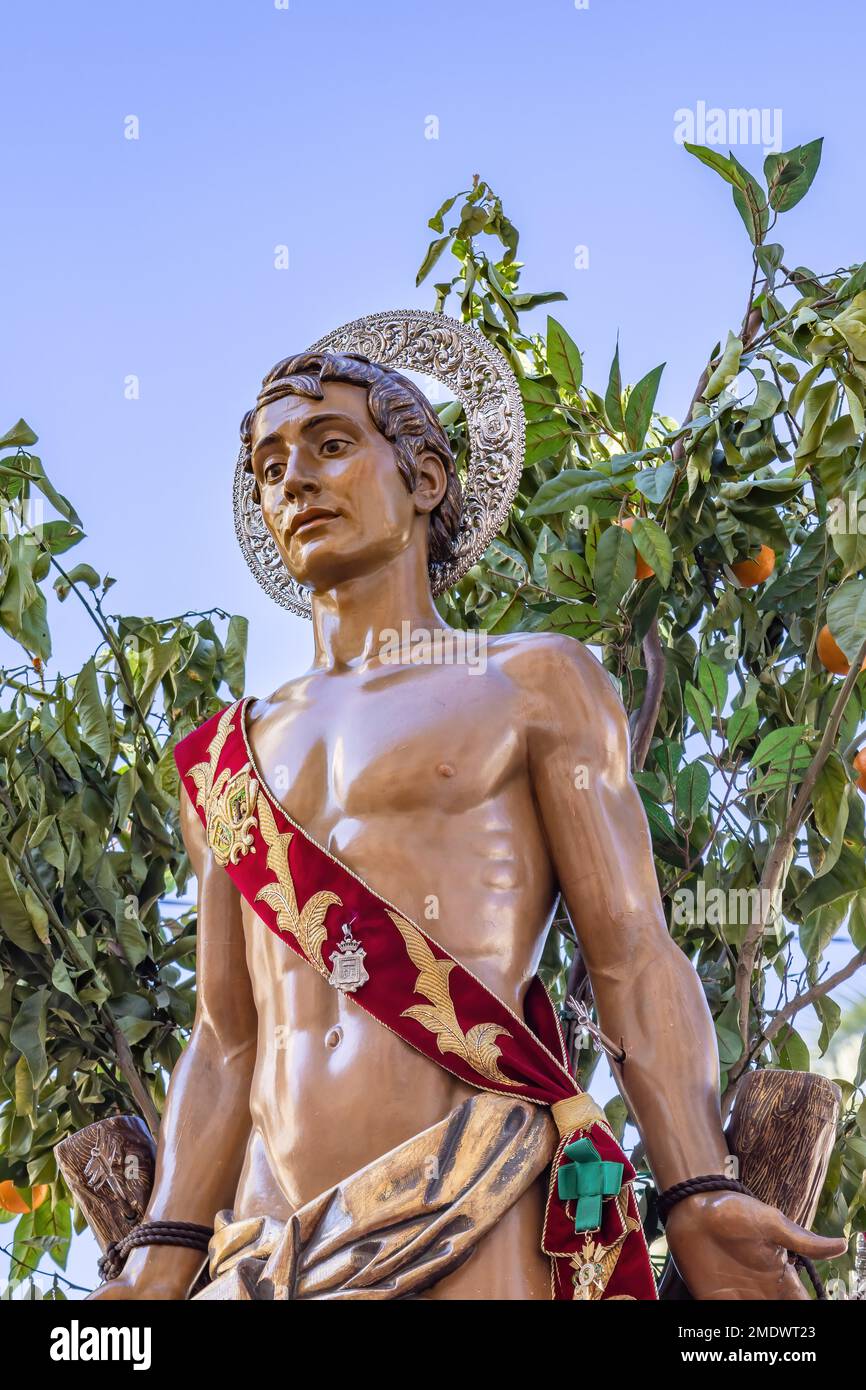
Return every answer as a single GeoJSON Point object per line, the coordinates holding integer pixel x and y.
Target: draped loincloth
{"type": "Point", "coordinates": [400, 1224]}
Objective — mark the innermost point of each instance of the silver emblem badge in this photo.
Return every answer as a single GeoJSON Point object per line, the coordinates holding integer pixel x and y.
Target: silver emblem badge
{"type": "Point", "coordinates": [347, 964]}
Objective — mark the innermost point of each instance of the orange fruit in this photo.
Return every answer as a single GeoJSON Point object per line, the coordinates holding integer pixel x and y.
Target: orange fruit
{"type": "Point", "coordinates": [860, 765]}
{"type": "Point", "coordinates": [642, 570]}
{"type": "Point", "coordinates": [831, 655]}
{"type": "Point", "coordinates": [12, 1200]}
{"type": "Point", "coordinates": [753, 572]}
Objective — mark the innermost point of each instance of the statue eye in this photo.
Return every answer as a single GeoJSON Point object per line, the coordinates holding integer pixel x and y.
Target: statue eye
{"type": "Point", "coordinates": [272, 470]}
{"type": "Point", "coordinates": [332, 447]}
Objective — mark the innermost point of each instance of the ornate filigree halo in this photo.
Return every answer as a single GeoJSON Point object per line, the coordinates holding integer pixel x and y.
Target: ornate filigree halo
{"type": "Point", "coordinates": [479, 377]}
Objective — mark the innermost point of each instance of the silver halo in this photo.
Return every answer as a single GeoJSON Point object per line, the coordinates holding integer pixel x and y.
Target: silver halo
{"type": "Point", "coordinates": [480, 378]}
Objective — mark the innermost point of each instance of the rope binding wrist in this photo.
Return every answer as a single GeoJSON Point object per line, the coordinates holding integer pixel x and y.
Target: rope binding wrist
{"type": "Point", "coordinates": [184, 1233]}
{"type": "Point", "coordinates": [716, 1182]}
{"type": "Point", "coordinates": [711, 1182]}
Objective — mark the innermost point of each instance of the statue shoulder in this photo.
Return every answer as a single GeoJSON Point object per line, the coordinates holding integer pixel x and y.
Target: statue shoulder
{"type": "Point", "coordinates": [566, 695]}
{"type": "Point", "coordinates": [555, 664]}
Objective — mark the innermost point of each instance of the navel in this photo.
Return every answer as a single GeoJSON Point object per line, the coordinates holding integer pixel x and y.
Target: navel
{"type": "Point", "coordinates": [333, 1038]}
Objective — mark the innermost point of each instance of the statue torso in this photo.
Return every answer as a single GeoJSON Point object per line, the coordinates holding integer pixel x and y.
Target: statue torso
{"type": "Point", "coordinates": [417, 779]}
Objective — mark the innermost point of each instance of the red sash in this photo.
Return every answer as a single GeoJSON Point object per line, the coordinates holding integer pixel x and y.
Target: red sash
{"type": "Point", "coordinates": [391, 968]}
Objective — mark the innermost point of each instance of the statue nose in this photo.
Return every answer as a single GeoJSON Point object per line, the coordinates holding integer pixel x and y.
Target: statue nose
{"type": "Point", "coordinates": [300, 478]}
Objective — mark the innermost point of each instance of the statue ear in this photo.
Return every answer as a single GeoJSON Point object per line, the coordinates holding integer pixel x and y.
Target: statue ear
{"type": "Point", "coordinates": [431, 482]}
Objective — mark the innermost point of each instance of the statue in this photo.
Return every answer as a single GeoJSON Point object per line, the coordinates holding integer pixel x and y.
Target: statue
{"type": "Point", "coordinates": [375, 1101]}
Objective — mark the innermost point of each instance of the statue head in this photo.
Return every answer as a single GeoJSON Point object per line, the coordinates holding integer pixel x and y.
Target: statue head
{"type": "Point", "coordinates": [350, 466]}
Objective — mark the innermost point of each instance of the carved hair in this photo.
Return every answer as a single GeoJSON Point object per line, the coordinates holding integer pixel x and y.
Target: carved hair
{"type": "Point", "coordinates": [400, 412]}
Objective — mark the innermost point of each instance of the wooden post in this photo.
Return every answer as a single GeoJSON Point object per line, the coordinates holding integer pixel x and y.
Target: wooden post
{"type": "Point", "coordinates": [782, 1130]}
{"type": "Point", "coordinates": [109, 1169]}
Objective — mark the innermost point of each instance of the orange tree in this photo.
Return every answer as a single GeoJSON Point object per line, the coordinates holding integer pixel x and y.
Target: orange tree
{"type": "Point", "coordinates": [716, 564]}
{"type": "Point", "coordinates": [96, 983]}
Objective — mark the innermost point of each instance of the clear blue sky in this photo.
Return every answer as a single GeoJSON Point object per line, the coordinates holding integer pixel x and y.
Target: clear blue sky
{"type": "Point", "coordinates": [262, 126]}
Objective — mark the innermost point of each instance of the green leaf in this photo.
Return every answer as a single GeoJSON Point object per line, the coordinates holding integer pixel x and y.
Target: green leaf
{"type": "Point", "coordinates": [818, 411]}
{"type": "Point", "coordinates": [730, 1043]}
{"type": "Point", "coordinates": [537, 395]}
{"type": "Point", "coordinates": [436, 223]}
{"type": "Point", "coordinates": [61, 979]}
{"type": "Point", "coordinates": [847, 877]}
{"type": "Point", "coordinates": [652, 545]}
{"type": "Point", "coordinates": [727, 369]}
{"type": "Point", "coordinates": [751, 203]}
{"type": "Point", "coordinates": [692, 791]}
{"type": "Point", "coordinates": [235, 655]}
{"type": "Point", "coordinates": [545, 439]}
{"type": "Point", "coordinates": [857, 922]}
{"type": "Point", "coordinates": [614, 567]}
{"type": "Point", "coordinates": [831, 1017]}
{"type": "Point", "coordinates": [790, 174]}
{"type": "Point", "coordinates": [741, 725]}
{"type": "Point", "coordinates": [830, 792]}
{"type": "Point", "coordinates": [793, 1051]}
{"type": "Point", "coordinates": [129, 933]}
{"type": "Point", "coordinates": [613, 395]}
{"type": "Point", "coordinates": [846, 616]}
{"type": "Point", "coordinates": [20, 436]}
{"type": "Point", "coordinates": [28, 1033]}
{"type": "Point", "coordinates": [24, 1091]}
{"type": "Point", "coordinates": [563, 357]}
{"type": "Point", "coordinates": [93, 721]}
{"type": "Point", "coordinates": [15, 922]}
{"type": "Point", "coordinates": [434, 251]}
{"type": "Point", "coordinates": [84, 574]}
{"type": "Point", "coordinates": [59, 536]}
{"type": "Point", "coordinates": [715, 160]}
{"type": "Point", "coordinates": [851, 325]}
{"type": "Point", "coordinates": [699, 709]}
{"type": "Point", "coordinates": [776, 747]}
{"type": "Point", "coordinates": [563, 492]}
{"type": "Point", "coordinates": [638, 411]}
{"type": "Point", "coordinates": [134, 1028]}
{"type": "Point", "coordinates": [568, 574]}
{"type": "Point", "coordinates": [713, 681]}
{"type": "Point", "coordinates": [655, 483]}
{"type": "Point", "coordinates": [818, 928]}
{"type": "Point", "coordinates": [834, 849]}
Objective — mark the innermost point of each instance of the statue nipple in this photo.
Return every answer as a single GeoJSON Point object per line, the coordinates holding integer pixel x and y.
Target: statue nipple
{"type": "Point", "coordinates": [446, 770]}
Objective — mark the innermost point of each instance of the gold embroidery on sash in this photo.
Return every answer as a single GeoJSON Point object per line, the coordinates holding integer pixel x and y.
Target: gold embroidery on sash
{"type": "Point", "coordinates": [594, 1263]}
{"type": "Point", "coordinates": [307, 925]}
{"type": "Point", "coordinates": [478, 1046]}
{"type": "Point", "coordinates": [229, 800]}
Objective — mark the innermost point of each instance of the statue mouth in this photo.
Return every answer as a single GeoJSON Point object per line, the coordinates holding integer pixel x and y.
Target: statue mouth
{"type": "Point", "coordinates": [309, 517]}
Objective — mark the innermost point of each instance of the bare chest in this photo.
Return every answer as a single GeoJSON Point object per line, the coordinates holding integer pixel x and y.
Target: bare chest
{"type": "Point", "coordinates": [338, 748]}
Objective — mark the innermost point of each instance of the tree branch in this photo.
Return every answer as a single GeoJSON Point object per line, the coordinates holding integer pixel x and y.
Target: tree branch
{"type": "Point", "coordinates": [780, 853]}
{"type": "Point", "coordinates": [816, 992]}
{"type": "Point", "coordinates": [128, 1069]}
{"type": "Point", "coordinates": [654, 656]}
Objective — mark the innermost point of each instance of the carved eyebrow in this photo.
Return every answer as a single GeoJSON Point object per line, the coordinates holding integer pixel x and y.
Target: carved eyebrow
{"type": "Point", "coordinates": [314, 421]}
{"type": "Point", "coordinates": [267, 442]}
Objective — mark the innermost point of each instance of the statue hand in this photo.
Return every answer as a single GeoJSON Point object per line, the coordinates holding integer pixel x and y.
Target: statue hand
{"type": "Point", "coordinates": [143, 1290]}
{"type": "Point", "coordinates": [729, 1246]}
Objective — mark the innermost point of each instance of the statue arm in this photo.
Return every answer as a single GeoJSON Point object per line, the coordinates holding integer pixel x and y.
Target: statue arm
{"type": "Point", "coordinates": [648, 996]}
{"type": "Point", "coordinates": [206, 1123]}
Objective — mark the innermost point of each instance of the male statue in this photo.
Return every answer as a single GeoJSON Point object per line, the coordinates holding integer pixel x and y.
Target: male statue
{"type": "Point", "coordinates": [448, 796]}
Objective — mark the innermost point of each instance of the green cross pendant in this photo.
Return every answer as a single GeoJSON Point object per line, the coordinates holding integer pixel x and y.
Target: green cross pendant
{"type": "Point", "coordinates": [585, 1181]}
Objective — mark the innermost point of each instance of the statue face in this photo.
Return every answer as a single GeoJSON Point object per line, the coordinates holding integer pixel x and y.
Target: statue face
{"type": "Point", "coordinates": [331, 493]}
